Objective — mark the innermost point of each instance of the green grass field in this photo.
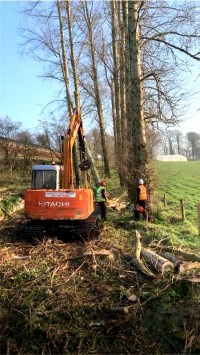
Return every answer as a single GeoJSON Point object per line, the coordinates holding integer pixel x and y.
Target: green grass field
{"type": "Point", "coordinates": [175, 181]}
{"type": "Point", "coordinates": [179, 181]}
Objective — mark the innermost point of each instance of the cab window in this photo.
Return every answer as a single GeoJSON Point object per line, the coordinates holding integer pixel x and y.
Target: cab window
{"type": "Point", "coordinates": [43, 179]}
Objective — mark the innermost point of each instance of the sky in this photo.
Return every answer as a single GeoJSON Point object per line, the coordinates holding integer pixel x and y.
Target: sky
{"type": "Point", "coordinates": [23, 94]}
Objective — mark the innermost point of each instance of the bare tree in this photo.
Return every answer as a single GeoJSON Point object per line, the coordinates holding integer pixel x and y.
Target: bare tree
{"type": "Point", "coordinates": [77, 97]}
{"type": "Point", "coordinates": [8, 134]}
{"type": "Point", "coordinates": [153, 142]}
{"type": "Point", "coordinates": [170, 137]}
{"type": "Point", "coordinates": [94, 140]}
{"type": "Point", "coordinates": [172, 142]}
{"type": "Point", "coordinates": [194, 140]}
{"type": "Point", "coordinates": [116, 79]}
{"type": "Point", "coordinates": [52, 130]}
{"type": "Point", "coordinates": [179, 141]}
{"type": "Point", "coordinates": [170, 34]}
{"type": "Point", "coordinates": [137, 145]}
{"type": "Point", "coordinates": [51, 43]}
{"type": "Point", "coordinates": [87, 11]}
{"type": "Point", "coordinates": [42, 140]}
{"type": "Point", "coordinates": [63, 61]}
{"type": "Point", "coordinates": [27, 148]}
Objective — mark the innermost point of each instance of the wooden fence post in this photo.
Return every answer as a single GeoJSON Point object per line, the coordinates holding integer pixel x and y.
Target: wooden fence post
{"type": "Point", "coordinates": [198, 211]}
{"type": "Point", "coordinates": [164, 200]}
{"type": "Point", "coordinates": [182, 210]}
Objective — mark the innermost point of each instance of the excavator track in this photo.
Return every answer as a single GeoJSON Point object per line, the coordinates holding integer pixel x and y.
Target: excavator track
{"type": "Point", "coordinates": [34, 230]}
{"type": "Point", "coordinates": [81, 229]}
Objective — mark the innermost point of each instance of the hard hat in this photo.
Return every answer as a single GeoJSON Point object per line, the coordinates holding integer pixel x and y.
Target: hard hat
{"type": "Point", "coordinates": [102, 183]}
{"type": "Point", "coordinates": [140, 182]}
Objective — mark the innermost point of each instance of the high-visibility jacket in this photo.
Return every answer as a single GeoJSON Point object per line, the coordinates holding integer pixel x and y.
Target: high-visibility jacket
{"type": "Point", "coordinates": [143, 193]}
{"type": "Point", "coordinates": [99, 197]}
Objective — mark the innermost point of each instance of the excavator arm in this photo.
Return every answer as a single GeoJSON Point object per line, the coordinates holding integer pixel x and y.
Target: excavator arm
{"type": "Point", "coordinates": [74, 130]}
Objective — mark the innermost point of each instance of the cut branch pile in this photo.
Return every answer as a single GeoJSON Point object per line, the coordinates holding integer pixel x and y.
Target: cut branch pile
{"type": "Point", "coordinates": [116, 204]}
{"type": "Point", "coordinates": [10, 208]}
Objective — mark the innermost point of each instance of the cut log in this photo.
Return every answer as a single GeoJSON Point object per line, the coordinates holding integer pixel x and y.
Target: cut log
{"type": "Point", "coordinates": [157, 262]}
{"type": "Point", "coordinates": [114, 204]}
{"type": "Point", "coordinates": [183, 254]}
{"type": "Point", "coordinates": [171, 257]}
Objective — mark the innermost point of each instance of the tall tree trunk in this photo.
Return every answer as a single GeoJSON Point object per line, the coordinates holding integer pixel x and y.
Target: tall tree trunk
{"type": "Point", "coordinates": [116, 70]}
{"type": "Point", "coordinates": [136, 122]}
{"type": "Point", "coordinates": [72, 56]}
{"type": "Point", "coordinates": [128, 117]}
{"type": "Point", "coordinates": [63, 60]}
{"type": "Point", "coordinates": [114, 120]}
{"type": "Point", "coordinates": [97, 91]}
{"type": "Point", "coordinates": [77, 96]}
{"type": "Point", "coordinates": [64, 65]}
{"type": "Point", "coordinates": [122, 80]}
{"type": "Point", "coordinates": [93, 169]}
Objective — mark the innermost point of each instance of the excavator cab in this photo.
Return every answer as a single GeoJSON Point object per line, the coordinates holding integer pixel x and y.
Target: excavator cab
{"type": "Point", "coordinates": [46, 177]}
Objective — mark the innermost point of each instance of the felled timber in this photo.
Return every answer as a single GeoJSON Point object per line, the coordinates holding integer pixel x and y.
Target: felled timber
{"type": "Point", "coordinates": [157, 262]}
{"type": "Point", "coordinates": [171, 257]}
{"type": "Point", "coordinates": [183, 254]}
{"type": "Point", "coordinates": [137, 260]}
{"type": "Point", "coordinates": [115, 204]}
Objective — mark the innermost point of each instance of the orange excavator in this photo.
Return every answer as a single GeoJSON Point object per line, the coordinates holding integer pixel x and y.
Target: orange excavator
{"type": "Point", "coordinates": [53, 204]}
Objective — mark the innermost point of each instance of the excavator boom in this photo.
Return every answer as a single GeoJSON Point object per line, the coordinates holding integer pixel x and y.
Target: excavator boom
{"type": "Point", "coordinates": [74, 130]}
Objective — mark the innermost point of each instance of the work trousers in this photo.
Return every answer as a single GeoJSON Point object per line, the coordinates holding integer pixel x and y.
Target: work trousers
{"type": "Point", "coordinates": [142, 203]}
{"type": "Point", "coordinates": [102, 206]}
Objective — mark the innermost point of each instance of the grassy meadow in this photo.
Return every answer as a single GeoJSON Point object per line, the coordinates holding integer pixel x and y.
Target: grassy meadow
{"type": "Point", "coordinates": [178, 181]}
{"type": "Point", "coordinates": [175, 181]}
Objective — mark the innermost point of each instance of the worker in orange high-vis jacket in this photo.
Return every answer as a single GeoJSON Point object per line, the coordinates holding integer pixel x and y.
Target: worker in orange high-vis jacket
{"type": "Point", "coordinates": [141, 201]}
